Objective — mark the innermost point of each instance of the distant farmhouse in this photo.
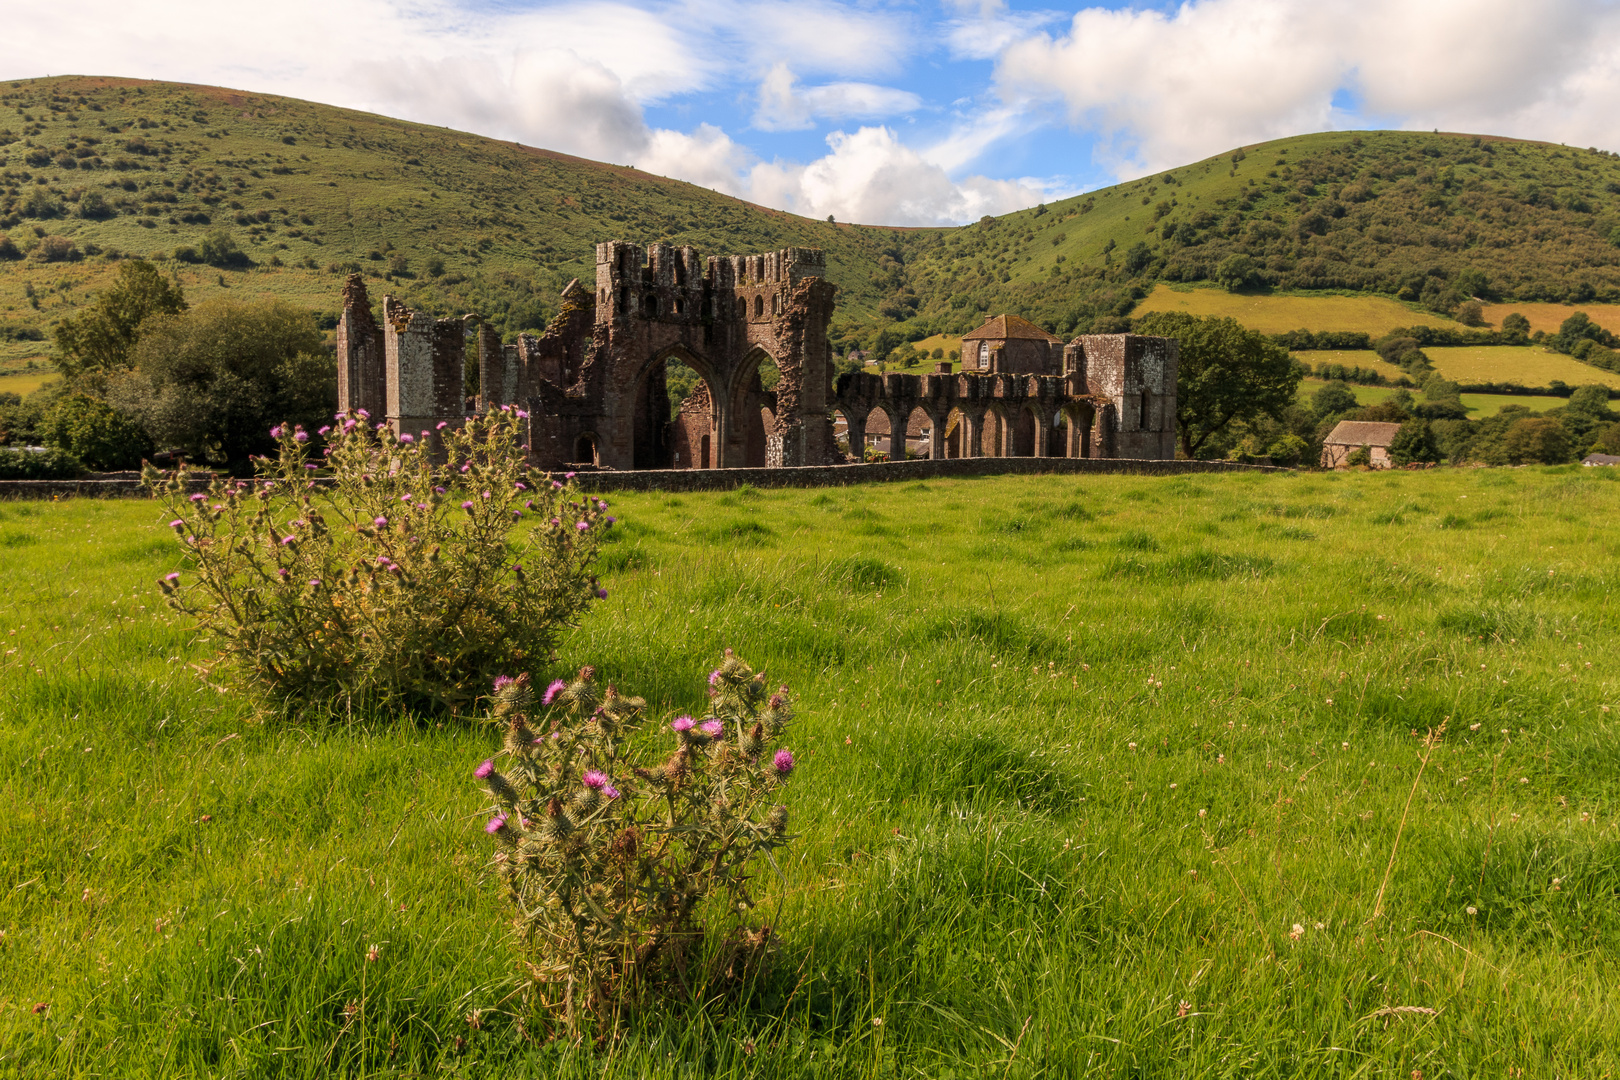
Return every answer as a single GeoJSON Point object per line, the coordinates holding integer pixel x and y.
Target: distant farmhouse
{"type": "Point", "coordinates": [1351, 435]}
{"type": "Point", "coordinates": [1600, 459]}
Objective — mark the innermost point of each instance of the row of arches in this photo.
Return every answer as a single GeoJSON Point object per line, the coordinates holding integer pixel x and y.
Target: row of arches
{"type": "Point", "coordinates": [997, 430]}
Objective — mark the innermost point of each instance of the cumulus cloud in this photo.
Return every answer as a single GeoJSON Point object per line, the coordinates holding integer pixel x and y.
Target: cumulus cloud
{"type": "Point", "coordinates": [785, 106]}
{"type": "Point", "coordinates": [1165, 88]}
{"type": "Point", "coordinates": [872, 177]}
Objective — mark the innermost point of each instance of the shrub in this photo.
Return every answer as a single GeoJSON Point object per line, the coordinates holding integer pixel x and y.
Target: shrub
{"type": "Point", "coordinates": [56, 249]}
{"type": "Point", "coordinates": [38, 465]}
{"type": "Point", "coordinates": [1359, 456]}
{"type": "Point", "coordinates": [611, 857]}
{"type": "Point", "coordinates": [404, 582]}
{"type": "Point", "coordinates": [1414, 443]}
{"type": "Point", "coordinates": [219, 248]}
{"type": "Point", "coordinates": [96, 433]}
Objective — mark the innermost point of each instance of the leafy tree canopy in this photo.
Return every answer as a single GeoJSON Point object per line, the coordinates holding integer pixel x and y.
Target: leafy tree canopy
{"type": "Point", "coordinates": [212, 381]}
{"type": "Point", "coordinates": [100, 339]}
{"type": "Point", "coordinates": [1227, 373]}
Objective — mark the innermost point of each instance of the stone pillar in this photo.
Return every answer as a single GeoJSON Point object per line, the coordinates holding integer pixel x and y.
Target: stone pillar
{"type": "Point", "coordinates": [936, 438]}
{"type": "Point", "coordinates": [856, 433]}
{"type": "Point", "coordinates": [972, 425]}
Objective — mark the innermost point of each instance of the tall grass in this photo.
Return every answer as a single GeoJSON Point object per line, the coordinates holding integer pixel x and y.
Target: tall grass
{"type": "Point", "coordinates": [1113, 790]}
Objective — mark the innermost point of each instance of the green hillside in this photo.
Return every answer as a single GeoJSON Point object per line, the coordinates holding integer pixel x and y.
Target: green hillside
{"type": "Point", "coordinates": [1427, 218]}
{"type": "Point", "coordinates": [92, 169]}
{"type": "Point", "coordinates": [310, 192]}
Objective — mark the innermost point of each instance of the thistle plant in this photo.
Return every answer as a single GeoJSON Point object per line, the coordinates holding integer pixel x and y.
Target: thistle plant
{"type": "Point", "coordinates": [621, 848]}
{"type": "Point", "coordinates": [392, 569]}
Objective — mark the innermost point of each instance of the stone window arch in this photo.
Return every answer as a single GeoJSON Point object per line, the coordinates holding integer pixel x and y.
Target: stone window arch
{"type": "Point", "coordinates": [759, 307]}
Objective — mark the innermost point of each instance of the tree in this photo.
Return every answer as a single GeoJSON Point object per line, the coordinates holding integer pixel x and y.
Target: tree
{"type": "Point", "coordinates": [99, 340]}
{"type": "Point", "coordinates": [1414, 443]}
{"type": "Point", "coordinates": [1237, 272]}
{"type": "Point", "coordinates": [1470, 313]}
{"type": "Point", "coordinates": [1137, 259]}
{"type": "Point", "coordinates": [219, 248]}
{"type": "Point", "coordinates": [1332, 399]}
{"type": "Point", "coordinates": [1516, 324]}
{"type": "Point", "coordinates": [211, 382]}
{"type": "Point", "coordinates": [1226, 373]}
{"type": "Point", "coordinates": [1536, 440]}
{"type": "Point", "coordinates": [95, 433]}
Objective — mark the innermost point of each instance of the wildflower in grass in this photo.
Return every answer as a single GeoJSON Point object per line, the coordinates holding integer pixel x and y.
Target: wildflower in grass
{"type": "Point", "coordinates": [373, 954]}
{"type": "Point", "coordinates": [177, 524]}
{"type": "Point", "coordinates": [301, 435]}
{"type": "Point", "coordinates": [712, 728]}
{"type": "Point", "coordinates": [601, 594]}
{"type": "Point", "coordinates": [275, 432]}
{"type": "Point", "coordinates": [380, 521]}
{"type": "Point", "coordinates": [1472, 910]}
{"type": "Point", "coordinates": [714, 677]}
{"type": "Point", "coordinates": [608, 909]}
{"type": "Point", "coordinates": [173, 575]}
{"type": "Point", "coordinates": [1296, 932]}
{"type": "Point", "coordinates": [582, 525]}
{"type": "Point", "coordinates": [552, 691]}
{"type": "Point", "coordinates": [467, 506]}
{"type": "Point", "coordinates": [502, 682]}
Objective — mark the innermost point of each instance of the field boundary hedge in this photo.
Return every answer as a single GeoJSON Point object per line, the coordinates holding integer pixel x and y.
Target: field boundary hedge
{"type": "Point", "coordinates": [726, 479]}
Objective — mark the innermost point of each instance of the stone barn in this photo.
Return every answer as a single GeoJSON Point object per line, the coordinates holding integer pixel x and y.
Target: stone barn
{"type": "Point", "coordinates": [1348, 436]}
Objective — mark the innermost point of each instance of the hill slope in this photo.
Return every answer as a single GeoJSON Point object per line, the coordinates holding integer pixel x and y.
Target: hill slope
{"type": "Point", "coordinates": [458, 222]}
{"type": "Point", "coordinates": [1424, 217]}
{"type": "Point", "coordinates": [146, 168]}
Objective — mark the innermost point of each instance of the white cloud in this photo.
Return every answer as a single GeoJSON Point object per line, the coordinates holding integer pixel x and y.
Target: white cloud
{"type": "Point", "coordinates": [785, 106]}
{"type": "Point", "coordinates": [1162, 89]}
{"type": "Point", "coordinates": [874, 178]}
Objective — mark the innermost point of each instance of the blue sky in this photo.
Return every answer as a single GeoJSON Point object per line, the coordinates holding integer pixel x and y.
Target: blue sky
{"type": "Point", "coordinates": [877, 111]}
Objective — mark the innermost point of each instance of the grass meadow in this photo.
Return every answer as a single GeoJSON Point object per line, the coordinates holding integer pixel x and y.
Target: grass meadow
{"type": "Point", "coordinates": [1282, 312]}
{"type": "Point", "coordinates": [1479, 406]}
{"type": "Point", "coordinates": [1111, 776]}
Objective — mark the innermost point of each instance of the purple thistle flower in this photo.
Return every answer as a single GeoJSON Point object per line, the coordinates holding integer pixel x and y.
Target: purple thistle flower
{"type": "Point", "coordinates": [466, 468]}
{"type": "Point", "coordinates": [712, 728]}
{"type": "Point", "coordinates": [425, 433]}
{"type": "Point", "coordinates": [552, 691]}
{"type": "Point", "coordinates": [349, 425]}
{"type": "Point", "coordinates": [199, 497]}
{"type": "Point", "coordinates": [521, 486]}
{"type": "Point", "coordinates": [682, 723]}
{"type": "Point", "coordinates": [528, 504]}
{"type": "Point", "coordinates": [556, 485]}
{"type": "Point", "coordinates": [275, 432]}
{"type": "Point", "coordinates": [594, 779]}
{"type": "Point", "coordinates": [556, 521]}
{"type": "Point", "coordinates": [288, 539]}
{"type": "Point", "coordinates": [467, 506]}
{"type": "Point", "coordinates": [496, 824]}
{"type": "Point", "coordinates": [380, 522]}
{"type": "Point", "coordinates": [502, 682]}
{"type": "Point", "coordinates": [522, 415]}
{"type": "Point", "coordinates": [382, 427]}
{"type": "Point", "coordinates": [517, 515]}
{"type": "Point", "coordinates": [314, 582]}
{"type": "Point", "coordinates": [783, 762]}
{"type": "Point", "coordinates": [301, 436]}
{"type": "Point", "coordinates": [407, 438]}
{"type": "Point", "coordinates": [569, 475]}
{"type": "Point", "coordinates": [601, 594]}
{"type": "Point", "coordinates": [363, 414]}
{"type": "Point", "coordinates": [405, 498]}
{"type": "Point", "coordinates": [611, 792]}
{"type": "Point", "coordinates": [174, 576]}
{"type": "Point", "coordinates": [283, 573]}
{"type": "Point", "coordinates": [714, 677]}
{"type": "Point", "coordinates": [442, 425]}
{"type": "Point", "coordinates": [582, 525]}
{"type": "Point", "coordinates": [176, 524]}
{"type": "Point", "coordinates": [438, 491]}
{"type": "Point", "coordinates": [485, 768]}
{"type": "Point", "coordinates": [609, 522]}
{"type": "Point", "coordinates": [485, 495]}
{"type": "Point", "coordinates": [324, 430]}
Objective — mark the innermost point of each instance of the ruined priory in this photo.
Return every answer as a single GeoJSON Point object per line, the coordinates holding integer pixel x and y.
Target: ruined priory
{"type": "Point", "coordinates": [594, 387]}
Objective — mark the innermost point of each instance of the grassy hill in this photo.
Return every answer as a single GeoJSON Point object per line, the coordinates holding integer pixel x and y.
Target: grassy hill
{"type": "Point", "coordinates": [456, 222]}
{"type": "Point", "coordinates": [311, 192]}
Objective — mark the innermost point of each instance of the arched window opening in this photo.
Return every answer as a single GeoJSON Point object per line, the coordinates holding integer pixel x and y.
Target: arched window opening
{"type": "Point", "coordinates": [680, 307]}
{"type": "Point", "coordinates": [680, 273]}
{"type": "Point", "coordinates": [649, 305]}
{"type": "Point", "coordinates": [984, 355]}
{"type": "Point", "coordinates": [585, 450]}
{"type": "Point", "coordinates": [624, 301]}
{"type": "Point", "coordinates": [674, 413]}
{"type": "Point", "coordinates": [1142, 421]}
{"type": "Point", "coordinates": [759, 307]}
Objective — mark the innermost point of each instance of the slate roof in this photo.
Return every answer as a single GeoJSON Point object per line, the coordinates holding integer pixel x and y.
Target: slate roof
{"type": "Point", "coordinates": [1600, 459]}
{"type": "Point", "coordinates": [1009, 327]}
{"type": "Point", "coordinates": [1362, 433]}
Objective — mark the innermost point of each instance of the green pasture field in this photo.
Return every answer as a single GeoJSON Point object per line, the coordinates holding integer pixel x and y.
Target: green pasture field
{"type": "Point", "coordinates": [24, 382]}
{"type": "Point", "coordinates": [1478, 405]}
{"type": "Point", "coordinates": [1280, 313]}
{"type": "Point", "coordinates": [1098, 775]}
{"type": "Point", "coordinates": [1528, 365]}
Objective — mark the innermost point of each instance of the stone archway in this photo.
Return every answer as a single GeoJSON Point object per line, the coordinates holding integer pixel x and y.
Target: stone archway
{"type": "Point", "coordinates": [1023, 431]}
{"type": "Point", "coordinates": [754, 407]}
{"type": "Point", "coordinates": [665, 436]}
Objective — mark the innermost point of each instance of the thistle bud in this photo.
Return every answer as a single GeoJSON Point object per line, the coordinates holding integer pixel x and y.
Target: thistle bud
{"type": "Point", "coordinates": [512, 695]}
{"type": "Point", "coordinates": [752, 742]}
{"type": "Point", "coordinates": [497, 784]}
{"type": "Point", "coordinates": [518, 736]}
{"type": "Point", "coordinates": [502, 832]}
{"type": "Point", "coordinates": [777, 819]}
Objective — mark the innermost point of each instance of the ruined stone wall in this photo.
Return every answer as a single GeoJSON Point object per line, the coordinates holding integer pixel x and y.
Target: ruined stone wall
{"type": "Point", "coordinates": [362, 378]}
{"type": "Point", "coordinates": [1136, 377]}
